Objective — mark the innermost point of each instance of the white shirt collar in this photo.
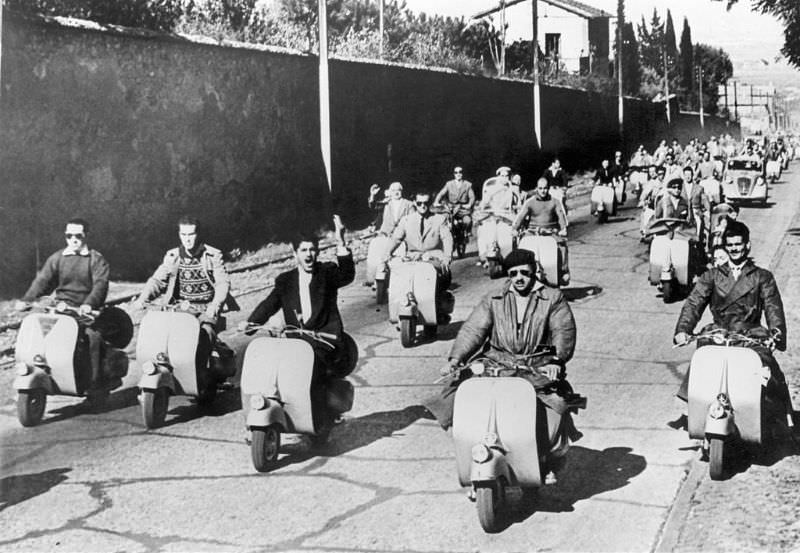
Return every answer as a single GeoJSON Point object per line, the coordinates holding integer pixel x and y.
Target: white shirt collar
{"type": "Point", "coordinates": [84, 251]}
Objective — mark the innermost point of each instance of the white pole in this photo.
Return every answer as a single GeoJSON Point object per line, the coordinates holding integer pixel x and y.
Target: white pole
{"type": "Point", "coordinates": [537, 123]}
{"type": "Point", "coordinates": [621, 103]}
{"type": "Point", "coordinates": [2, 3]}
{"type": "Point", "coordinates": [700, 82]}
{"type": "Point", "coordinates": [380, 25]}
{"type": "Point", "coordinates": [324, 93]}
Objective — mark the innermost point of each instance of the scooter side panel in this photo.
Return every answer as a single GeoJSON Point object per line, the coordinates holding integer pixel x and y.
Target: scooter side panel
{"type": "Point", "coordinates": [659, 257]}
{"type": "Point", "coordinates": [514, 401]}
{"type": "Point", "coordinates": [546, 250]}
{"type": "Point", "coordinates": [281, 366]}
{"type": "Point", "coordinates": [505, 238]}
{"type": "Point", "coordinates": [378, 248]}
{"type": "Point", "coordinates": [679, 254]}
{"type": "Point", "coordinates": [413, 276]}
{"type": "Point", "coordinates": [486, 233]}
{"type": "Point", "coordinates": [54, 337]}
{"type": "Point", "coordinates": [744, 388]}
{"type": "Point", "coordinates": [425, 292]}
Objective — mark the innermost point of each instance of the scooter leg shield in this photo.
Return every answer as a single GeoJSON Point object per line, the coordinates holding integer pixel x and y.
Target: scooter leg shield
{"type": "Point", "coordinates": [162, 379]}
{"type": "Point", "coordinates": [721, 427]}
{"type": "Point", "coordinates": [34, 381]}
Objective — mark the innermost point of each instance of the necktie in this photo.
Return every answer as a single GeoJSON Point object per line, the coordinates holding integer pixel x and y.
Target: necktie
{"type": "Point", "coordinates": [421, 226]}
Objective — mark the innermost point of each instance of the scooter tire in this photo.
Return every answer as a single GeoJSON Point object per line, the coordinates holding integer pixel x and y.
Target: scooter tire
{"type": "Point", "coordinates": [489, 501]}
{"type": "Point", "coordinates": [31, 406]}
{"type": "Point", "coordinates": [716, 458]}
{"type": "Point", "coordinates": [602, 217]}
{"type": "Point", "coordinates": [154, 407]}
{"type": "Point", "coordinates": [408, 330]}
{"type": "Point", "coordinates": [668, 290]}
{"type": "Point", "coordinates": [382, 291]}
{"type": "Point", "coordinates": [429, 331]}
{"type": "Point", "coordinates": [461, 247]}
{"type": "Point", "coordinates": [264, 447]}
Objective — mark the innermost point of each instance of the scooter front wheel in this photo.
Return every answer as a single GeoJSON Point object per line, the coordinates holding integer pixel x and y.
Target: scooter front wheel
{"type": "Point", "coordinates": [30, 406]}
{"type": "Point", "coordinates": [264, 447]}
{"type": "Point", "coordinates": [408, 330]}
{"type": "Point", "coordinates": [668, 290]}
{"type": "Point", "coordinates": [716, 458]}
{"type": "Point", "coordinates": [154, 407]}
{"type": "Point", "coordinates": [489, 501]}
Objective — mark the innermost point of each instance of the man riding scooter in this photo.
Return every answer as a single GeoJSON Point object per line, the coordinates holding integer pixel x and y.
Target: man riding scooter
{"type": "Point", "coordinates": [738, 294]}
{"type": "Point", "coordinates": [79, 277]}
{"type": "Point", "coordinates": [194, 273]}
{"type": "Point", "coordinates": [428, 233]}
{"type": "Point", "coordinates": [509, 325]}
{"type": "Point", "coordinates": [543, 212]}
{"type": "Point", "coordinates": [394, 210]}
{"type": "Point", "coordinates": [458, 193]}
{"type": "Point", "coordinates": [308, 296]}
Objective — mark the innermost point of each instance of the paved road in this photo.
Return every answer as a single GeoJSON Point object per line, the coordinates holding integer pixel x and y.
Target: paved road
{"type": "Point", "coordinates": [387, 481]}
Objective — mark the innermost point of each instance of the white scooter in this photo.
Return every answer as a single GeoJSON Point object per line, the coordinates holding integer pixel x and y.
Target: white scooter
{"type": "Point", "coordinates": [167, 347]}
{"type": "Point", "coordinates": [495, 238]}
{"type": "Point", "coordinates": [498, 427]}
{"type": "Point", "coordinates": [670, 256]}
{"type": "Point", "coordinates": [604, 202]}
{"type": "Point", "coordinates": [543, 242]}
{"type": "Point", "coordinates": [276, 390]}
{"type": "Point", "coordinates": [377, 268]}
{"type": "Point", "coordinates": [52, 358]}
{"type": "Point", "coordinates": [726, 386]}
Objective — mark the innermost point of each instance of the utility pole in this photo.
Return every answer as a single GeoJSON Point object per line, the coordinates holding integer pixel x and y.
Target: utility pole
{"type": "Point", "coordinates": [380, 25]}
{"type": "Point", "coordinates": [537, 123]}
{"type": "Point", "coordinates": [502, 37]}
{"type": "Point", "coordinates": [666, 84]}
{"type": "Point", "coordinates": [735, 104]}
{"type": "Point", "coordinates": [2, 4]}
{"type": "Point", "coordinates": [324, 92]}
{"type": "Point", "coordinates": [620, 47]}
{"type": "Point", "coordinates": [700, 97]}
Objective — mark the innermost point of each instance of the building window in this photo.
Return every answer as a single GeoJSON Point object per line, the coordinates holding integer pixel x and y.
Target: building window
{"type": "Point", "coordinates": [552, 44]}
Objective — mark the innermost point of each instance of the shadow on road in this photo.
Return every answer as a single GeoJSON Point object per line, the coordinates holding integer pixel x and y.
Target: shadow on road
{"type": "Point", "coordinates": [353, 434]}
{"type": "Point", "coordinates": [16, 489]}
{"type": "Point", "coordinates": [794, 231]}
{"type": "Point", "coordinates": [581, 292]}
{"type": "Point", "coordinates": [120, 399]}
{"type": "Point", "coordinates": [588, 472]}
{"type": "Point", "coordinates": [227, 401]}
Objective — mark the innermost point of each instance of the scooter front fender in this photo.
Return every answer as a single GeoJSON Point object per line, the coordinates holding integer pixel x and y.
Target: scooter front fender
{"type": "Point", "coordinates": [720, 427]}
{"type": "Point", "coordinates": [408, 311]}
{"type": "Point", "coordinates": [262, 418]}
{"type": "Point", "coordinates": [162, 379]}
{"type": "Point", "coordinates": [37, 379]}
{"type": "Point", "coordinates": [491, 470]}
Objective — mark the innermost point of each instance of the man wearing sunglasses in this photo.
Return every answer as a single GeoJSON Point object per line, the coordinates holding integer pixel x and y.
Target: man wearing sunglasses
{"type": "Point", "coordinates": [458, 192]}
{"type": "Point", "coordinates": [509, 325]}
{"type": "Point", "coordinates": [427, 235]}
{"type": "Point", "coordinates": [79, 276]}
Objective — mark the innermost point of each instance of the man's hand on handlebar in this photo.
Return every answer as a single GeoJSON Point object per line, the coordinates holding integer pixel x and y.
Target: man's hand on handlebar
{"type": "Point", "coordinates": [562, 232]}
{"type": "Point", "coordinates": [85, 309]}
{"type": "Point", "coordinates": [551, 371]}
{"type": "Point", "coordinates": [680, 339]}
{"type": "Point", "coordinates": [449, 367]}
{"type": "Point", "coordinates": [248, 328]}
{"type": "Point", "coordinates": [20, 305]}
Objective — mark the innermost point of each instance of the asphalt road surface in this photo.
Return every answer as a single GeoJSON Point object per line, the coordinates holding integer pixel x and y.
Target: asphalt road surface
{"type": "Point", "coordinates": [386, 481]}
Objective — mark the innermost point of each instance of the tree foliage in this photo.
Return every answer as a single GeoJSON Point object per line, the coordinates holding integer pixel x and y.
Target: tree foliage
{"type": "Point", "coordinates": [788, 12]}
{"type": "Point", "coordinates": [717, 69]}
{"type": "Point", "coordinates": [687, 57]}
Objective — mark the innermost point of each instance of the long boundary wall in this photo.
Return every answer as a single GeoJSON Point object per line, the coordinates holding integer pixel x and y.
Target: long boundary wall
{"type": "Point", "coordinates": [131, 129]}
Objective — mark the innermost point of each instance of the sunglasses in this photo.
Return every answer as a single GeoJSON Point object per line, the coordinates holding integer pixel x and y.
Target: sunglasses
{"type": "Point", "coordinates": [517, 272]}
{"type": "Point", "coordinates": [421, 203]}
{"type": "Point", "coordinates": [79, 235]}
{"type": "Point", "coordinates": [457, 172]}
{"type": "Point", "coordinates": [674, 187]}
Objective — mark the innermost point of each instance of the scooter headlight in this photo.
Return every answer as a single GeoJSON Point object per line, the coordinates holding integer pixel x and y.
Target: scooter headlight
{"type": "Point", "coordinates": [39, 360]}
{"type": "Point", "coordinates": [477, 368]}
{"type": "Point", "coordinates": [716, 411]}
{"type": "Point", "coordinates": [491, 439]}
{"type": "Point", "coordinates": [149, 368]}
{"type": "Point", "coordinates": [22, 368]}
{"type": "Point", "coordinates": [161, 358]}
{"type": "Point", "coordinates": [61, 306]}
{"type": "Point", "coordinates": [481, 453]}
{"type": "Point", "coordinates": [258, 402]}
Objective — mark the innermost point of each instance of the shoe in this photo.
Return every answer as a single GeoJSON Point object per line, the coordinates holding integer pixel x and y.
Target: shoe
{"type": "Point", "coordinates": [550, 478]}
{"type": "Point", "coordinates": [681, 423]}
{"type": "Point", "coordinates": [479, 263]}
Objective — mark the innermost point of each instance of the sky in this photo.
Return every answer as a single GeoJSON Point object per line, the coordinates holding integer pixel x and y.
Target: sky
{"type": "Point", "coordinates": [747, 36]}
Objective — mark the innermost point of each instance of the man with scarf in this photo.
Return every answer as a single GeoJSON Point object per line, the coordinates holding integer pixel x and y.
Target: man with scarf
{"type": "Point", "coordinates": [510, 325]}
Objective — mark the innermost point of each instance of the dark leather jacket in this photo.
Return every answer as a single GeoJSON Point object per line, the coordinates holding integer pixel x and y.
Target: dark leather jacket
{"type": "Point", "coordinates": [736, 303]}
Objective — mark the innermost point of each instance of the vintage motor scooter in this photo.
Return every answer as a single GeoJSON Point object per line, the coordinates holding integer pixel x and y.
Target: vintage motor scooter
{"type": "Point", "coordinates": [726, 389]}
{"type": "Point", "coordinates": [504, 436]}
{"type": "Point", "coordinates": [455, 214]}
{"type": "Point", "coordinates": [671, 265]}
{"type": "Point", "coordinates": [52, 357]}
{"type": "Point", "coordinates": [543, 242]}
{"type": "Point", "coordinates": [376, 254]}
{"type": "Point", "coordinates": [495, 238]}
{"type": "Point", "coordinates": [167, 348]}
{"type": "Point", "coordinates": [276, 385]}
{"type": "Point", "coordinates": [604, 202]}
{"type": "Point", "coordinates": [412, 298]}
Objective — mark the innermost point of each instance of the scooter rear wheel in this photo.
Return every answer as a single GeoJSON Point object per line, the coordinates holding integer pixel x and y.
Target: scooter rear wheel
{"type": "Point", "coordinates": [716, 458]}
{"type": "Point", "coordinates": [154, 407]}
{"type": "Point", "coordinates": [30, 406]}
{"type": "Point", "coordinates": [489, 501]}
{"type": "Point", "coordinates": [408, 330]}
{"type": "Point", "coordinates": [264, 447]}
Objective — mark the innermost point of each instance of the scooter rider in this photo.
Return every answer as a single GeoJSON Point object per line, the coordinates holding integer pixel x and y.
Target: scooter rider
{"type": "Point", "coordinates": [543, 211]}
{"type": "Point", "coordinates": [738, 293]}
{"type": "Point", "coordinates": [79, 277]}
{"type": "Point", "coordinates": [395, 209]}
{"type": "Point", "coordinates": [308, 296]}
{"type": "Point", "coordinates": [509, 325]}
{"type": "Point", "coordinates": [458, 192]}
{"type": "Point", "coordinates": [194, 272]}
{"type": "Point", "coordinates": [427, 233]}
